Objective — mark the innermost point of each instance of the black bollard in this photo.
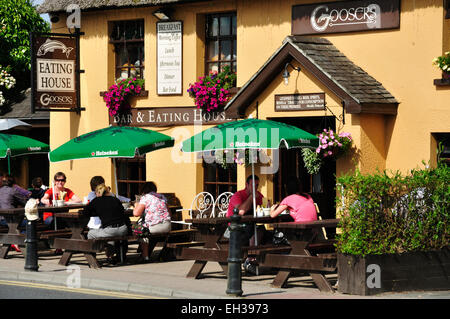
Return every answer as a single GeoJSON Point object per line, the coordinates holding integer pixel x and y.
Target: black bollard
{"type": "Point", "coordinates": [235, 256]}
{"type": "Point", "coordinates": [31, 256]}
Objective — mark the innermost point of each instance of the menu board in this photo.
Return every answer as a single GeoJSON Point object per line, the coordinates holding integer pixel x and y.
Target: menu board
{"type": "Point", "coordinates": [170, 38]}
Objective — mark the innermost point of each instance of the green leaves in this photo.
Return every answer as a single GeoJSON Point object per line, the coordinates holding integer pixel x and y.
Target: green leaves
{"type": "Point", "coordinates": [390, 213]}
{"type": "Point", "coordinates": [18, 19]}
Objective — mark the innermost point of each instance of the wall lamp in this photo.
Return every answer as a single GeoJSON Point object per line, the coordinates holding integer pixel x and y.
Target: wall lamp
{"type": "Point", "coordinates": [163, 13]}
{"type": "Point", "coordinates": [286, 74]}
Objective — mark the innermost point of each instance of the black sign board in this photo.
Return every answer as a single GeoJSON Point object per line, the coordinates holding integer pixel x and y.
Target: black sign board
{"type": "Point", "coordinates": [55, 73]}
{"type": "Point", "coordinates": [299, 102]}
{"type": "Point", "coordinates": [345, 16]}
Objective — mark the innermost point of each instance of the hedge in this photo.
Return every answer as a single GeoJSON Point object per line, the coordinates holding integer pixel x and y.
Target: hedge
{"type": "Point", "coordinates": [389, 213]}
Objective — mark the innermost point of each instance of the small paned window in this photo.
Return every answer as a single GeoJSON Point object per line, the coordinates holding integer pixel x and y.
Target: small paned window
{"type": "Point", "coordinates": [218, 179]}
{"type": "Point", "coordinates": [130, 176]}
{"type": "Point", "coordinates": [128, 40]}
{"type": "Point", "coordinates": [220, 42]}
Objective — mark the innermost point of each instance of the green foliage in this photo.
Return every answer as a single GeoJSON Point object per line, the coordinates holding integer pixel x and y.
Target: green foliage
{"type": "Point", "coordinates": [382, 214]}
{"type": "Point", "coordinates": [312, 161]}
{"type": "Point", "coordinates": [18, 18]}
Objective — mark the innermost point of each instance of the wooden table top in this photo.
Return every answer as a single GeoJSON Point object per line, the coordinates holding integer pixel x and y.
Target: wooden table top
{"type": "Point", "coordinates": [306, 225]}
{"type": "Point", "coordinates": [244, 219]}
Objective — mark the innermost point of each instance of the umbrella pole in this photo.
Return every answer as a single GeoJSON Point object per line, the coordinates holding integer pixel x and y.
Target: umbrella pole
{"type": "Point", "coordinates": [254, 206]}
{"type": "Point", "coordinates": [9, 164]}
{"type": "Point", "coordinates": [115, 177]}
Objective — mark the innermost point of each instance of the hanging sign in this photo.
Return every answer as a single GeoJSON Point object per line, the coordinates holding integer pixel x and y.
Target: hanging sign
{"type": "Point", "coordinates": [169, 61]}
{"type": "Point", "coordinates": [54, 73]}
{"type": "Point", "coordinates": [299, 102]}
{"type": "Point", "coordinates": [345, 16]}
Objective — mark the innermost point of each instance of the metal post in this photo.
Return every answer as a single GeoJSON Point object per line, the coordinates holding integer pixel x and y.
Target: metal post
{"type": "Point", "coordinates": [235, 256]}
{"type": "Point", "coordinates": [31, 256]}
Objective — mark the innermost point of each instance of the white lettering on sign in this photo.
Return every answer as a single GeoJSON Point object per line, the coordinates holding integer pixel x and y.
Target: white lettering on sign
{"type": "Point", "coordinates": [55, 75]}
{"type": "Point", "coordinates": [323, 18]}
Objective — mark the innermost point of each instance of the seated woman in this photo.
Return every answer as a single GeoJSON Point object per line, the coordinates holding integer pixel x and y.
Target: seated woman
{"type": "Point", "coordinates": [157, 216]}
{"type": "Point", "coordinates": [300, 205]}
{"type": "Point", "coordinates": [112, 215]}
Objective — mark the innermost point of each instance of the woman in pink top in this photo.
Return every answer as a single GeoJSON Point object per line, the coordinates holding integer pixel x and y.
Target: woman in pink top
{"type": "Point", "coordinates": [301, 205]}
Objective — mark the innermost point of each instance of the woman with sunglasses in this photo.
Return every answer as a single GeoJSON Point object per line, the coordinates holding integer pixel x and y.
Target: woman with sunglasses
{"type": "Point", "coordinates": [69, 197]}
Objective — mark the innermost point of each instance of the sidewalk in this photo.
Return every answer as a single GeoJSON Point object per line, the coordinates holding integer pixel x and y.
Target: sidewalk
{"type": "Point", "coordinates": [168, 280]}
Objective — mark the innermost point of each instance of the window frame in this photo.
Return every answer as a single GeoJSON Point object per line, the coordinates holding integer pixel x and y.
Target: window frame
{"type": "Point", "coordinates": [122, 42]}
{"type": "Point", "coordinates": [141, 167]}
{"type": "Point", "coordinates": [230, 184]}
{"type": "Point", "coordinates": [232, 37]}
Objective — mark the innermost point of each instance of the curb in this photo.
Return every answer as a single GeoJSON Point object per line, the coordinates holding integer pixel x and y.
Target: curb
{"type": "Point", "coordinates": [115, 286]}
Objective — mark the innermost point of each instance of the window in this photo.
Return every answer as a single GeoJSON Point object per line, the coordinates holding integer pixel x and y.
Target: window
{"type": "Point", "coordinates": [128, 40]}
{"type": "Point", "coordinates": [218, 180]}
{"type": "Point", "coordinates": [443, 145]}
{"type": "Point", "coordinates": [130, 176]}
{"type": "Point", "coordinates": [220, 42]}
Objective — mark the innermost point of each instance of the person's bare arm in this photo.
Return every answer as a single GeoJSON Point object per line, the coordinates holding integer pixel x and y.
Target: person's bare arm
{"type": "Point", "coordinates": [277, 209]}
{"type": "Point", "coordinates": [138, 210]}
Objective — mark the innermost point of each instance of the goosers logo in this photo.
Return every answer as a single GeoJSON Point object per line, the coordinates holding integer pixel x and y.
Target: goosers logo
{"type": "Point", "coordinates": [47, 99]}
{"type": "Point", "coordinates": [104, 153]}
{"type": "Point", "coordinates": [322, 17]}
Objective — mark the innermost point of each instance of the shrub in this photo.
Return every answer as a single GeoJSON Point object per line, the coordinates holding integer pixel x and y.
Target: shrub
{"type": "Point", "coordinates": [383, 214]}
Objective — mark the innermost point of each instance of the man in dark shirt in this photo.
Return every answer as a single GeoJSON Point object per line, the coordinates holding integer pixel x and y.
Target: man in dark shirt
{"type": "Point", "coordinates": [9, 195]}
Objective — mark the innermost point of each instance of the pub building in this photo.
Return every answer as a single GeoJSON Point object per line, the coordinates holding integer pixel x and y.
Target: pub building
{"type": "Point", "coordinates": [360, 67]}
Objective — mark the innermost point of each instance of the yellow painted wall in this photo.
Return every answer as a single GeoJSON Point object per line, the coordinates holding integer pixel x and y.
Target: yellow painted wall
{"type": "Point", "coordinates": [400, 59]}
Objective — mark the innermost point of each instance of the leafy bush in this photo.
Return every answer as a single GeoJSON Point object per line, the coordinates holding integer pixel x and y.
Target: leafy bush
{"type": "Point", "coordinates": [382, 214]}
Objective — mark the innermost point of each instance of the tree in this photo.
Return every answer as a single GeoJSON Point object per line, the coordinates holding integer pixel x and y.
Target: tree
{"type": "Point", "coordinates": [18, 19]}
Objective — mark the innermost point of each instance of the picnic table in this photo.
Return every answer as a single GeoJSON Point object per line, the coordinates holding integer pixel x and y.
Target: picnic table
{"type": "Point", "coordinates": [14, 218]}
{"type": "Point", "coordinates": [78, 243]}
{"type": "Point", "coordinates": [308, 252]}
{"type": "Point", "coordinates": [211, 248]}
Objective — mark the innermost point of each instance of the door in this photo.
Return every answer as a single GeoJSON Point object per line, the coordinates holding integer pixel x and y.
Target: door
{"type": "Point", "coordinates": [321, 186]}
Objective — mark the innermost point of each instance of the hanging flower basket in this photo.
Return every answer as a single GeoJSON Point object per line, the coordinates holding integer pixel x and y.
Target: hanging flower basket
{"type": "Point", "coordinates": [228, 158]}
{"type": "Point", "coordinates": [212, 92]}
{"type": "Point", "coordinates": [331, 146]}
{"type": "Point", "coordinates": [117, 96]}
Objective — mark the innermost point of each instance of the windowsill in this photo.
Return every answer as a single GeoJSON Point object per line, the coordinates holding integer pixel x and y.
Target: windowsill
{"type": "Point", "coordinates": [143, 93]}
{"type": "Point", "coordinates": [442, 82]}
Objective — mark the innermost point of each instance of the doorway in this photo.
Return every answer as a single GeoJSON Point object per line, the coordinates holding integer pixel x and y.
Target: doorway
{"type": "Point", "coordinates": [321, 186]}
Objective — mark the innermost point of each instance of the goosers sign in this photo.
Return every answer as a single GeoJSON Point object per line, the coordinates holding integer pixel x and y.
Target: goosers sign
{"type": "Point", "coordinates": [345, 16]}
{"type": "Point", "coordinates": [54, 73]}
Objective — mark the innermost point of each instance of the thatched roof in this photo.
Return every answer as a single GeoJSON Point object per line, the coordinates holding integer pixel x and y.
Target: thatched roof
{"type": "Point", "coordinates": [49, 6]}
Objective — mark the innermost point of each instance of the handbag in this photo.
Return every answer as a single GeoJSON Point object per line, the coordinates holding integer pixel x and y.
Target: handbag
{"type": "Point", "coordinates": [139, 229]}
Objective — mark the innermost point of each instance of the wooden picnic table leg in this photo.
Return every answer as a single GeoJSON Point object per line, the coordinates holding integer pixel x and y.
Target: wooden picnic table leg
{"type": "Point", "coordinates": [212, 239]}
{"type": "Point", "coordinates": [298, 248]}
{"type": "Point", "coordinates": [13, 222]}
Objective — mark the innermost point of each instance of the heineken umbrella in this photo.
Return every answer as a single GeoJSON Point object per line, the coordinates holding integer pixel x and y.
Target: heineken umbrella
{"type": "Point", "coordinates": [16, 145]}
{"type": "Point", "coordinates": [250, 134]}
{"type": "Point", "coordinates": [113, 141]}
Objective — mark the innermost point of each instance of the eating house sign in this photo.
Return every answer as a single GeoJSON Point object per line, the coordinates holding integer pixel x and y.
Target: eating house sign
{"type": "Point", "coordinates": [55, 78]}
{"type": "Point", "coordinates": [345, 16]}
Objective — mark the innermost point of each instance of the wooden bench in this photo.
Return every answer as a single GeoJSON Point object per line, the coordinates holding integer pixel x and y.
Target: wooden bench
{"type": "Point", "coordinates": [90, 247]}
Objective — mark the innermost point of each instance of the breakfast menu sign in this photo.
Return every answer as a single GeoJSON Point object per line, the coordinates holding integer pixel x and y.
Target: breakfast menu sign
{"type": "Point", "coordinates": [170, 38]}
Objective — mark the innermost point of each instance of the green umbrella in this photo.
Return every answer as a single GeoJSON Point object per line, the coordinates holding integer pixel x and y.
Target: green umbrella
{"type": "Point", "coordinates": [113, 141]}
{"type": "Point", "coordinates": [16, 145]}
{"type": "Point", "coordinates": [250, 134]}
